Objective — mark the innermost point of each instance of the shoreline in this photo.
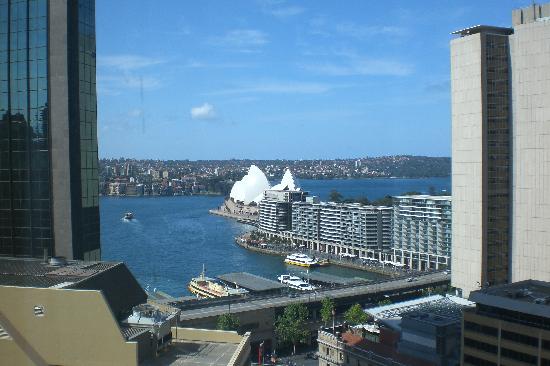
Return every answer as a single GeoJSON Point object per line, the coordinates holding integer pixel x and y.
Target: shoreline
{"type": "Point", "coordinates": [238, 218]}
{"type": "Point", "coordinates": [283, 253]}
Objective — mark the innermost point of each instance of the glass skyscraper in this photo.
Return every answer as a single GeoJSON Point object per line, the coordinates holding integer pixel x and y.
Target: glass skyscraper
{"type": "Point", "coordinates": [48, 137]}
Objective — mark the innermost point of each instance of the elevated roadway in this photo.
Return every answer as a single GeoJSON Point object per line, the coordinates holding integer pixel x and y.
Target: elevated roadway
{"type": "Point", "coordinates": [347, 294]}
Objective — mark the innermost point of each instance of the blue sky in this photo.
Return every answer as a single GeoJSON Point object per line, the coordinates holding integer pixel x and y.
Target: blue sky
{"type": "Point", "coordinates": [270, 79]}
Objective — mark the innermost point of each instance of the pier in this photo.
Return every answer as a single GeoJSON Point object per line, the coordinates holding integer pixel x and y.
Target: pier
{"type": "Point", "coordinates": [258, 313]}
{"type": "Point", "coordinates": [283, 251]}
{"type": "Point", "coordinates": [243, 219]}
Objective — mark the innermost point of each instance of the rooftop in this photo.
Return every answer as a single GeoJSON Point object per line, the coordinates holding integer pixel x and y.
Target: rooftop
{"type": "Point", "coordinates": [37, 273]}
{"type": "Point", "coordinates": [484, 29]}
{"type": "Point", "coordinates": [435, 310]}
{"type": "Point", "coordinates": [530, 296]}
{"type": "Point", "coordinates": [425, 197]}
{"type": "Point", "coordinates": [113, 279]}
{"type": "Point", "coordinates": [250, 281]}
{"type": "Point", "coordinates": [195, 353]}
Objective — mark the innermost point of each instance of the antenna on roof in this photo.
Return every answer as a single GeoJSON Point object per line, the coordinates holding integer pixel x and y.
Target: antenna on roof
{"type": "Point", "coordinates": [141, 100]}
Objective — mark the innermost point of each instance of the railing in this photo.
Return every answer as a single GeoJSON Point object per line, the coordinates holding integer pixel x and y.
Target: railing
{"type": "Point", "coordinates": [315, 295]}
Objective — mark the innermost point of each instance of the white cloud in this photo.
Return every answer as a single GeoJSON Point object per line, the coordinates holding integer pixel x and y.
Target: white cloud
{"type": "Point", "coordinates": [205, 111]}
{"type": "Point", "coordinates": [347, 62]}
{"type": "Point", "coordinates": [280, 8]}
{"type": "Point", "coordinates": [243, 40]}
{"type": "Point", "coordinates": [322, 26]}
{"type": "Point", "coordinates": [114, 83]}
{"type": "Point", "coordinates": [119, 72]}
{"type": "Point", "coordinates": [364, 32]}
{"type": "Point", "coordinates": [195, 64]}
{"type": "Point", "coordinates": [362, 66]}
{"type": "Point", "coordinates": [278, 87]}
{"type": "Point", "coordinates": [286, 11]}
{"type": "Point", "coordinates": [127, 62]}
{"type": "Point", "coordinates": [135, 113]}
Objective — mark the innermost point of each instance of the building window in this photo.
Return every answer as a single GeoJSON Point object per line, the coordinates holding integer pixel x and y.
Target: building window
{"type": "Point", "coordinates": [478, 328]}
{"type": "Point", "coordinates": [477, 361]}
{"type": "Point", "coordinates": [520, 338]}
{"type": "Point", "coordinates": [519, 356]}
{"type": "Point", "coordinates": [482, 346]}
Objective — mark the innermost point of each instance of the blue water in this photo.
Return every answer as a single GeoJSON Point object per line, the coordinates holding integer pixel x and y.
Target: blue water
{"type": "Point", "coordinates": [172, 237]}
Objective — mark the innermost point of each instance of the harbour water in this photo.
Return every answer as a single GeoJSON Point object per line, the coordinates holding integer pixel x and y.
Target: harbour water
{"type": "Point", "coordinates": [172, 237]}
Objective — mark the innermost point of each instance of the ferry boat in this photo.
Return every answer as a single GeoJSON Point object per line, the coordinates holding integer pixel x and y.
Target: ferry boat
{"type": "Point", "coordinates": [206, 287]}
{"type": "Point", "coordinates": [128, 216]}
{"type": "Point", "coordinates": [299, 259]}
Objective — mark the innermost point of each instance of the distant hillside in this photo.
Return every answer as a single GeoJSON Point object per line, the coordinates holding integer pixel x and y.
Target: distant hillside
{"type": "Point", "coordinates": [412, 166]}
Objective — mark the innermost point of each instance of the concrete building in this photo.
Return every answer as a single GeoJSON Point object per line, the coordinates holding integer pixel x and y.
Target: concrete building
{"type": "Point", "coordinates": [95, 313]}
{"type": "Point", "coordinates": [48, 135]}
{"type": "Point", "coordinates": [275, 210]}
{"type": "Point", "coordinates": [423, 331]}
{"type": "Point", "coordinates": [421, 229]}
{"type": "Point", "coordinates": [530, 221]}
{"type": "Point", "coordinates": [510, 325]}
{"type": "Point", "coordinates": [501, 151]}
{"type": "Point", "coordinates": [340, 228]}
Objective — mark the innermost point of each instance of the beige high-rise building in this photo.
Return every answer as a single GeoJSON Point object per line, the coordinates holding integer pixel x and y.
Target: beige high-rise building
{"type": "Point", "coordinates": [500, 81]}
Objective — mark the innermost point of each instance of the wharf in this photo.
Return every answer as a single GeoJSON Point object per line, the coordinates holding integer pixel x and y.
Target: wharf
{"type": "Point", "coordinates": [342, 263]}
{"type": "Point", "coordinates": [327, 279]}
{"type": "Point", "coordinates": [240, 218]}
{"type": "Point", "coordinates": [251, 282]}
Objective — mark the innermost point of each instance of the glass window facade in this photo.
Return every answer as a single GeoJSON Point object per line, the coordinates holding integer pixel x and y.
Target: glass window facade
{"type": "Point", "coordinates": [88, 196]}
{"type": "Point", "coordinates": [498, 158]}
{"type": "Point", "coordinates": [25, 216]}
{"type": "Point", "coordinates": [25, 135]}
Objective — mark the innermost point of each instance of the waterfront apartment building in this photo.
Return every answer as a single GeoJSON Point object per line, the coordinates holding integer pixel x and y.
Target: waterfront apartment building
{"type": "Point", "coordinates": [510, 325]}
{"type": "Point", "coordinates": [275, 210]}
{"type": "Point", "coordinates": [501, 151]}
{"type": "Point", "coordinates": [48, 135]}
{"type": "Point", "coordinates": [342, 228]}
{"type": "Point", "coordinates": [421, 229]}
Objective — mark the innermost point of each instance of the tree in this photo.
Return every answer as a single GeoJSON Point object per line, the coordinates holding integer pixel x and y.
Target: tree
{"type": "Point", "coordinates": [363, 201]}
{"type": "Point", "coordinates": [384, 302]}
{"type": "Point", "coordinates": [327, 307]}
{"type": "Point", "coordinates": [385, 201]}
{"type": "Point", "coordinates": [335, 196]}
{"type": "Point", "coordinates": [291, 325]}
{"type": "Point", "coordinates": [355, 315]}
{"type": "Point", "coordinates": [228, 322]}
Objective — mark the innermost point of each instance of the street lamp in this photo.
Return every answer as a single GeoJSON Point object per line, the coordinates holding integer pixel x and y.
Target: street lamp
{"type": "Point", "coordinates": [333, 321]}
{"type": "Point", "coordinates": [260, 348]}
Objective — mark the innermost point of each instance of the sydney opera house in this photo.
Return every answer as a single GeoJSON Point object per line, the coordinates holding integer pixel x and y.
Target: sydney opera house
{"type": "Point", "coordinates": [247, 193]}
{"type": "Point", "coordinates": [250, 189]}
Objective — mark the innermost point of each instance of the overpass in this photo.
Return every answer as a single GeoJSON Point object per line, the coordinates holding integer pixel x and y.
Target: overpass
{"type": "Point", "coordinates": [257, 314]}
{"type": "Point", "coordinates": [358, 293]}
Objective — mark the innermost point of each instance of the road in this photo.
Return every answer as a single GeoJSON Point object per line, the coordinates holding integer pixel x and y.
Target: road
{"type": "Point", "coordinates": [421, 281]}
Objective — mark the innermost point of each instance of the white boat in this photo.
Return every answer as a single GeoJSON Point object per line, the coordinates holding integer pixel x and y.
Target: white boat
{"type": "Point", "coordinates": [287, 277]}
{"type": "Point", "coordinates": [303, 260]}
{"type": "Point", "coordinates": [128, 216]}
{"type": "Point", "coordinates": [295, 282]}
{"type": "Point", "coordinates": [300, 285]}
